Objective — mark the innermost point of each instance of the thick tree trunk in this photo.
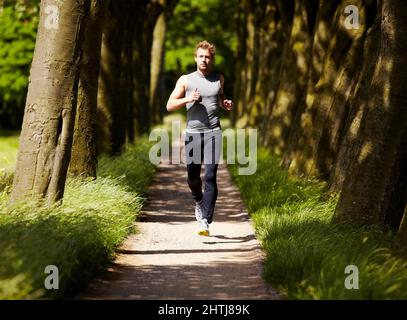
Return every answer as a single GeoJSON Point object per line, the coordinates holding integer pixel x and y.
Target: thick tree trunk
{"type": "Point", "coordinates": [320, 43]}
{"type": "Point", "coordinates": [126, 116]}
{"type": "Point", "coordinates": [253, 88]}
{"type": "Point", "coordinates": [255, 18]}
{"type": "Point", "coordinates": [84, 156]}
{"type": "Point", "coordinates": [293, 77]}
{"type": "Point", "coordinates": [357, 108]}
{"type": "Point", "coordinates": [241, 27]}
{"type": "Point", "coordinates": [147, 14]}
{"type": "Point", "coordinates": [316, 135]}
{"type": "Point", "coordinates": [339, 77]}
{"type": "Point", "coordinates": [317, 128]}
{"type": "Point", "coordinates": [47, 130]}
{"type": "Point", "coordinates": [271, 55]}
{"type": "Point", "coordinates": [157, 83]}
{"type": "Point", "coordinates": [157, 62]}
{"type": "Point", "coordinates": [375, 186]}
{"type": "Point", "coordinates": [269, 42]}
{"type": "Point", "coordinates": [111, 130]}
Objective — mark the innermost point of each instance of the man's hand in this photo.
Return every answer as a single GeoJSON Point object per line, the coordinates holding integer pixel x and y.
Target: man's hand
{"type": "Point", "coordinates": [194, 96]}
{"type": "Point", "coordinates": [227, 104]}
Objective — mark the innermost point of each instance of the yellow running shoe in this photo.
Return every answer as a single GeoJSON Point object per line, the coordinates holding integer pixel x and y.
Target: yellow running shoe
{"type": "Point", "coordinates": [204, 228]}
{"type": "Point", "coordinates": [204, 233]}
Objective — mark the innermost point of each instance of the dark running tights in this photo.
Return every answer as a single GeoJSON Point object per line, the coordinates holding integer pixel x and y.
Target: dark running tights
{"type": "Point", "coordinates": [208, 148]}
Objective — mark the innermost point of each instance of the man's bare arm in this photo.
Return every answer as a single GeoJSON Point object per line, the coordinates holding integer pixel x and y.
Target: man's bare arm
{"type": "Point", "coordinates": [177, 99]}
{"type": "Point", "coordinates": [223, 103]}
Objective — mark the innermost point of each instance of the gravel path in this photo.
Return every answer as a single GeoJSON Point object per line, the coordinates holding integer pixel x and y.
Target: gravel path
{"type": "Point", "coordinates": [167, 259]}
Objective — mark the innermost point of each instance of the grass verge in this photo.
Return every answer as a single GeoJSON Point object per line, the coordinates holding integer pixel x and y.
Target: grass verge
{"type": "Point", "coordinates": [80, 236]}
{"type": "Point", "coordinates": [307, 253]}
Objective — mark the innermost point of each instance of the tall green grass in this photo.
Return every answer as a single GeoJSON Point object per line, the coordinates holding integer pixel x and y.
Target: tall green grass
{"type": "Point", "coordinates": [9, 140]}
{"type": "Point", "coordinates": [306, 252]}
{"type": "Point", "coordinates": [80, 236]}
{"type": "Point", "coordinates": [8, 149]}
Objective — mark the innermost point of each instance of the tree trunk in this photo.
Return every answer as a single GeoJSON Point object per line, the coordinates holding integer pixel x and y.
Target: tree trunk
{"type": "Point", "coordinates": [339, 77]}
{"type": "Point", "coordinates": [241, 27]}
{"type": "Point", "coordinates": [293, 78]}
{"type": "Point", "coordinates": [297, 154]}
{"type": "Point", "coordinates": [47, 130]}
{"type": "Point", "coordinates": [157, 60]}
{"type": "Point", "coordinates": [269, 41]}
{"type": "Point", "coordinates": [157, 83]}
{"type": "Point", "coordinates": [320, 42]}
{"type": "Point", "coordinates": [111, 130]}
{"type": "Point", "coordinates": [375, 186]}
{"type": "Point", "coordinates": [140, 99]}
{"type": "Point", "coordinates": [126, 116]}
{"type": "Point", "coordinates": [147, 14]}
{"type": "Point", "coordinates": [357, 107]}
{"type": "Point", "coordinates": [84, 156]}
{"type": "Point", "coordinates": [274, 43]}
{"type": "Point", "coordinates": [251, 72]}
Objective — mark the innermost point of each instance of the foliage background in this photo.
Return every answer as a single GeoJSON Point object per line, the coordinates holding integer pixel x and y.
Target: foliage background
{"type": "Point", "coordinates": [194, 21]}
{"type": "Point", "coordinates": [191, 22]}
{"type": "Point", "coordinates": [18, 28]}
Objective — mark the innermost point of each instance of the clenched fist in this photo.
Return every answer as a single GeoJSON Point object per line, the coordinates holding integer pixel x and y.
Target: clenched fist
{"type": "Point", "coordinates": [194, 95]}
{"type": "Point", "coordinates": [227, 104]}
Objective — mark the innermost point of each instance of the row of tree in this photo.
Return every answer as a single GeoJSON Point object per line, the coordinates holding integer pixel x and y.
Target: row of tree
{"type": "Point", "coordinates": [89, 88]}
{"type": "Point", "coordinates": [114, 57]}
{"type": "Point", "coordinates": [324, 83]}
{"type": "Point", "coordinates": [325, 91]}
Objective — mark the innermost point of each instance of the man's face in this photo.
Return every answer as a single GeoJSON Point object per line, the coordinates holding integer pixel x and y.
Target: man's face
{"type": "Point", "coordinates": [204, 60]}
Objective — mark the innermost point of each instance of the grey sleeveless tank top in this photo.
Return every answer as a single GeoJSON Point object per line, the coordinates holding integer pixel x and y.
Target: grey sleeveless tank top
{"type": "Point", "coordinates": [203, 115]}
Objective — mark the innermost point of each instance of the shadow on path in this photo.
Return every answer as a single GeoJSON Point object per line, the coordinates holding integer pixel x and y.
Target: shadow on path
{"type": "Point", "coordinates": [166, 259]}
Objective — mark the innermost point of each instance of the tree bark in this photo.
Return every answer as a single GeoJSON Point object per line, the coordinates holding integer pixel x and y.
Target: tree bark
{"type": "Point", "coordinates": [47, 130]}
{"type": "Point", "coordinates": [297, 152]}
{"type": "Point", "coordinates": [157, 61]}
{"type": "Point", "coordinates": [320, 42]}
{"type": "Point", "coordinates": [338, 78]}
{"type": "Point", "coordinates": [147, 14]}
{"type": "Point", "coordinates": [269, 41]}
{"type": "Point", "coordinates": [126, 116]}
{"type": "Point", "coordinates": [241, 27]}
{"type": "Point", "coordinates": [293, 78]}
{"type": "Point", "coordinates": [111, 129]}
{"type": "Point", "coordinates": [375, 187]}
{"type": "Point", "coordinates": [357, 101]}
{"type": "Point", "coordinates": [157, 85]}
{"type": "Point", "coordinates": [84, 155]}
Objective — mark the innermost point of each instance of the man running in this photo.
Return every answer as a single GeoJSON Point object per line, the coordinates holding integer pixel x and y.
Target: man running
{"type": "Point", "coordinates": [202, 94]}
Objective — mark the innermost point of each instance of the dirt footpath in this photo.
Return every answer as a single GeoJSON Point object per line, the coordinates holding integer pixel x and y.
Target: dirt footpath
{"type": "Point", "coordinates": [167, 259]}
